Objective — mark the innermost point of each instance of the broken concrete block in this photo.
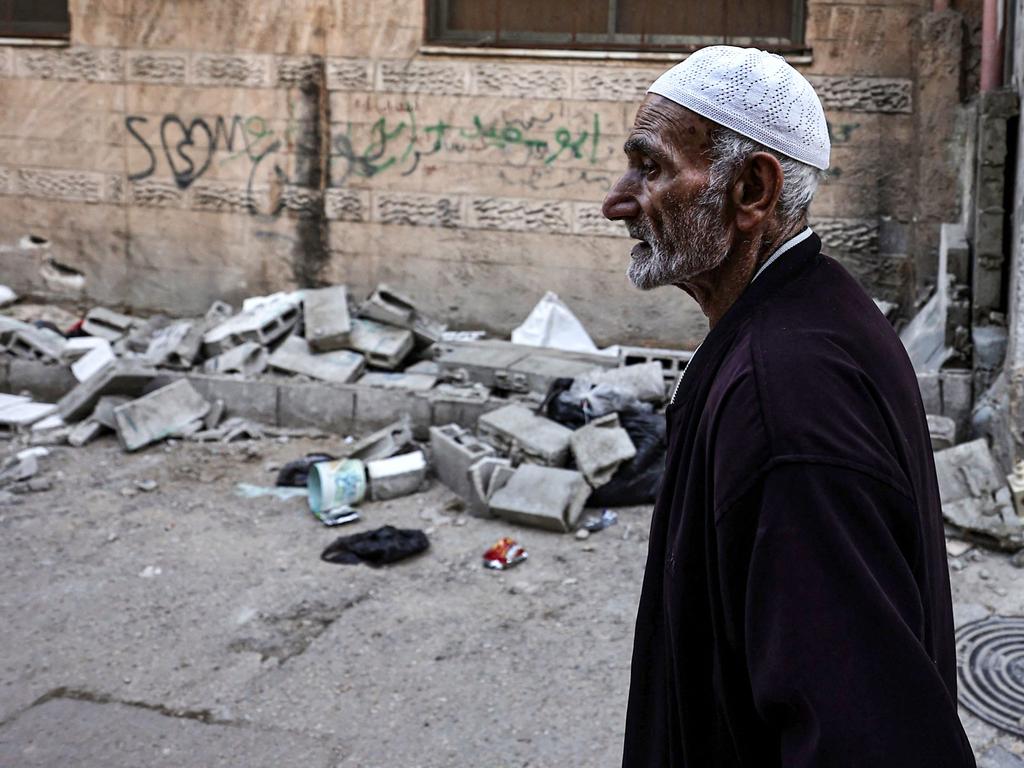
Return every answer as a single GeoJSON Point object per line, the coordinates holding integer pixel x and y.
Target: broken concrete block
{"type": "Point", "coordinates": [84, 432]}
{"type": "Point", "coordinates": [645, 380]}
{"type": "Point", "coordinates": [393, 308]}
{"type": "Point", "coordinates": [974, 495]}
{"type": "Point", "coordinates": [117, 378]}
{"type": "Point", "coordinates": [396, 476]}
{"type": "Point", "coordinates": [28, 342]}
{"type": "Point", "coordinates": [295, 356]}
{"type": "Point", "coordinates": [480, 475]}
{"type": "Point", "coordinates": [428, 367]}
{"type": "Point", "coordinates": [453, 451]}
{"type": "Point", "coordinates": [248, 359]}
{"type": "Point", "coordinates": [536, 373]}
{"type": "Point", "coordinates": [94, 360]}
{"type": "Point", "coordinates": [107, 324]}
{"type": "Point", "coordinates": [51, 422]}
{"type": "Point", "coordinates": [395, 380]}
{"type": "Point", "coordinates": [516, 428]}
{"type": "Point", "coordinates": [384, 346]}
{"type": "Point", "coordinates": [942, 430]}
{"type": "Point", "coordinates": [989, 342]}
{"type": "Point", "coordinates": [600, 447]}
{"type": "Point", "coordinates": [158, 414]}
{"type": "Point", "coordinates": [381, 444]}
{"type": "Point", "coordinates": [186, 353]}
{"type": "Point", "coordinates": [104, 410]}
{"type": "Point", "coordinates": [326, 316]}
{"type": "Point", "coordinates": [24, 414]}
{"type": "Point", "coordinates": [466, 363]}
{"type": "Point", "coordinates": [216, 415]}
{"type": "Point", "coordinates": [264, 323]}
{"type": "Point", "coordinates": [543, 497]}
{"type": "Point", "coordinates": [165, 342]}
{"type": "Point", "coordinates": [672, 361]}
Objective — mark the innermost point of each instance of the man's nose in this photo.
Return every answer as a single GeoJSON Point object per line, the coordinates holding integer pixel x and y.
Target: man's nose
{"type": "Point", "coordinates": [620, 203]}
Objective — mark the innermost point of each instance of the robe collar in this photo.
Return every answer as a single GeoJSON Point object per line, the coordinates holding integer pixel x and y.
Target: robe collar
{"type": "Point", "coordinates": [788, 260]}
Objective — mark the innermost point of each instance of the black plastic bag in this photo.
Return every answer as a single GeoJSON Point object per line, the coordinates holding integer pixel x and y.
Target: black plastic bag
{"type": "Point", "coordinates": [294, 473]}
{"type": "Point", "coordinates": [379, 547]}
{"type": "Point", "coordinates": [638, 480]}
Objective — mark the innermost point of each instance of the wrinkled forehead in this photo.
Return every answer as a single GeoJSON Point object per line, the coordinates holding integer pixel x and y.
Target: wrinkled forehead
{"type": "Point", "coordinates": [661, 123]}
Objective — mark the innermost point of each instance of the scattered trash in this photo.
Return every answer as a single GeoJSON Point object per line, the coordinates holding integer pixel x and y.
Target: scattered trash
{"type": "Point", "coordinates": [378, 547]}
{"type": "Point", "coordinates": [249, 491]}
{"type": "Point", "coordinates": [296, 473]}
{"type": "Point", "coordinates": [552, 324]}
{"type": "Point", "coordinates": [335, 484]}
{"type": "Point", "coordinates": [505, 554]}
{"type": "Point", "coordinates": [595, 523]}
{"type": "Point", "coordinates": [338, 516]}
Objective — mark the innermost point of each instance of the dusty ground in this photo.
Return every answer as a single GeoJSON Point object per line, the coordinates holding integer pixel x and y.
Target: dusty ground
{"type": "Point", "coordinates": [188, 626]}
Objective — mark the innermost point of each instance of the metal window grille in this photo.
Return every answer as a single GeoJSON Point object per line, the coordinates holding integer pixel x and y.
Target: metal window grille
{"type": "Point", "coordinates": [638, 25]}
{"type": "Point", "coordinates": [35, 18]}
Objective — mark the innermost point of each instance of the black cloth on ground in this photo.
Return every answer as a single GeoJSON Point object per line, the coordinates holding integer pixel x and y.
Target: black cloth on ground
{"type": "Point", "coordinates": [378, 547]}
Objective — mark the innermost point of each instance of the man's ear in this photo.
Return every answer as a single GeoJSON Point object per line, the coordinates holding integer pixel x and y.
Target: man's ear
{"type": "Point", "coordinates": [756, 192]}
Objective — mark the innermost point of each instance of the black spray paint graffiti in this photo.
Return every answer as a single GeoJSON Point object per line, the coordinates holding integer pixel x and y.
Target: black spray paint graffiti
{"type": "Point", "coordinates": [188, 146]}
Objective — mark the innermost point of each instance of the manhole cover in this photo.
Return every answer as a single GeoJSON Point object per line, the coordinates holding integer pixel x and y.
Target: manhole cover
{"type": "Point", "coordinates": [990, 661]}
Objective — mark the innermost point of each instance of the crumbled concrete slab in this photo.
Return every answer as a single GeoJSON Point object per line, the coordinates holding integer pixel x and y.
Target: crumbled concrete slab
{"type": "Point", "coordinates": [118, 378]}
{"type": "Point", "coordinates": [218, 408]}
{"type": "Point", "coordinates": [388, 306]}
{"type": "Point", "coordinates": [428, 367]}
{"type": "Point", "coordinates": [480, 475]}
{"type": "Point", "coordinates": [325, 311]}
{"type": "Point", "coordinates": [516, 429]}
{"type": "Point", "coordinates": [107, 324]}
{"type": "Point", "coordinates": [942, 431]}
{"type": "Point", "coordinates": [84, 432]}
{"type": "Point", "coordinates": [396, 476]}
{"type": "Point", "coordinates": [536, 373]}
{"type": "Point", "coordinates": [396, 380]}
{"type": "Point", "coordinates": [264, 323]}
{"type": "Point", "coordinates": [383, 345]}
{"type": "Point", "coordinates": [187, 351]}
{"type": "Point", "coordinates": [513, 367]}
{"type": "Point", "coordinates": [381, 444]}
{"type": "Point", "coordinates": [104, 410]}
{"type": "Point", "coordinates": [164, 343]}
{"type": "Point", "coordinates": [453, 451]}
{"type": "Point", "coordinates": [294, 355]}
{"type": "Point", "coordinates": [158, 414]}
{"type": "Point", "coordinates": [600, 447]}
{"type": "Point", "coordinates": [99, 356]}
{"type": "Point", "coordinates": [543, 497]}
{"type": "Point", "coordinates": [645, 380]}
{"type": "Point", "coordinates": [248, 359]}
{"type": "Point", "coordinates": [25, 414]}
{"type": "Point", "coordinates": [28, 342]}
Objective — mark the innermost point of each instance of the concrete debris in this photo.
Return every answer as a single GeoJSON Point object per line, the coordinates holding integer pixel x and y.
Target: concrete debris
{"type": "Point", "coordinates": [942, 430]}
{"type": "Point", "coordinates": [107, 324]}
{"type": "Point", "coordinates": [544, 497]}
{"type": "Point", "coordinates": [88, 365]}
{"type": "Point", "coordinates": [189, 349]}
{"type": "Point", "coordinates": [600, 447]}
{"type": "Point", "coordinates": [644, 381]}
{"type": "Point", "coordinates": [118, 378]}
{"type": "Point", "coordinates": [84, 432]}
{"type": "Point", "coordinates": [453, 451]}
{"type": "Point", "coordinates": [247, 359]}
{"type": "Point", "coordinates": [295, 356]}
{"type": "Point", "coordinates": [389, 380]}
{"type": "Point", "coordinates": [18, 469]}
{"type": "Point", "coordinates": [24, 414]}
{"type": "Point", "coordinates": [218, 408]}
{"type": "Point", "coordinates": [383, 345]}
{"type": "Point", "coordinates": [480, 489]}
{"type": "Point", "coordinates": [104, 410]}
{"type": "Point", "coordinates": [231, 430]}
{"type": "Point", "coordinates": [51, 422]}
{"type": "Point", "coordinates": [327, 318]}
{"type": "Point", "coordinates": [396, 476]}
{"type": "Point", "coordinates": [28, 342]}
{"type": "Point", "coordinates": [157, 415]}
{"type": "Point", "coordinates": [263, 323]}
{"type": "Point", "coordinates": [388, 306]}
{"type": "Point", "coordinates": [386, 442]}
{"type": "Point", "coordinates": [672, 361]}
{"type": "Point", "coordinates": [975, 498]}
{"type": "Point", "coordinates": [1015, 482]}
{"type": "Point", "coordinates": [165, 343]}
{"type": "Point", "coordinates": [515, 429]}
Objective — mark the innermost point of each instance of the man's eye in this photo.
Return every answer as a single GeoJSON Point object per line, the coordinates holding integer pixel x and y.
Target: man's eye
{"type": "Point", "coordinates": [648, 168]}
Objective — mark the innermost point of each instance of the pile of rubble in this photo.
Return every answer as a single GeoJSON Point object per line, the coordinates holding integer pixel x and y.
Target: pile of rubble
{"type": "Point", "coordinates": [550, 435]}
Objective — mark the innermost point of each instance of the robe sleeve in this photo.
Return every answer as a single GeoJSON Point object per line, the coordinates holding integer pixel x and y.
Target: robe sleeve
{"type": "Point", "coordinates": [833, 623]}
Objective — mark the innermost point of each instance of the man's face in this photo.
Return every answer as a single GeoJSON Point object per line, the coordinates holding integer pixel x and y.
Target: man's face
{"type": "Point", "coordinates": [664, 197]}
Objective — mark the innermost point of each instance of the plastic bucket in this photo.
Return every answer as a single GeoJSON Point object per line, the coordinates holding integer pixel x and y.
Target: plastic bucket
{"type": "Point", "coordinates": [336, 483]}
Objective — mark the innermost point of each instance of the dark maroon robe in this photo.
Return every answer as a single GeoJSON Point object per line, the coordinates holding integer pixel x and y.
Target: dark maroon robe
{"type": "Point", "coordinates": [796, 607]}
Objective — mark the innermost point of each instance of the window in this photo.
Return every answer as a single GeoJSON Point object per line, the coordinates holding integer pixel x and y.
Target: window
{"type": "Point", "coordinates": [638, 25]}
{"type": "Point", "coordinates": [35, 18]}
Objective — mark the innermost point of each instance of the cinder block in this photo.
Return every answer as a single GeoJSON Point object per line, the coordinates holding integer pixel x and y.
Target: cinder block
{"type": "Point", "coordinates": [158, 414]}
{"type": "Point", "coordinates": [453, 451]}
{"type": "Point", "coordinates": [646, 380]}
{"type": "Point", "coordinates": [601, 446]}
{"type": "Point", "coordinates": [394, 380]}
{"type": "Point", "coordinates": [322, 406]}
{"type": "Point", "coordinates": [248, 359]}
{"type": "Point", "coordinates": [165, 343]}
{"type": "Point", "coordinates": [31, 343]}
{"type": "Point", "coordinates": [396, 476]}
{"type": "Point", "coordinates": [383, 443]}
{"type": "Point", "coordinates": [46, 382]}
{"type": "Point", "coordinates": [480, 475]}
{"type": "Point", "coordinates": [256, 400]}
{"type": "Point", "coordinates": [118, 378]}
{"type": "Point", "coordinates": [989, 346]}
{"type": "Point", "coordinates": [326, 316]}
{"type": "Point", "coordinates": [107, 324]}
{"type": "Point", "coordinates": [516, 428]}
{"type": "Point", "coordinates": [672, 361]}
{"type": "Point", "coordinates": [931, 392]}
{"type": "Point", "coordinates": [942, 431]}
{"type": "Point", "coordinates": [264, 323]}
{"type": "Point", "coordinates": [94, 360]}
{"type": "Point", "coordinates": [393, 308]}
{"type": "Point", "coordinates": [464, 411]}
{"type": "Point", "coordinates": [295, 356]}
{"type": "Point", "coordinates": [957, 398]}
{"type": "Point", "coordinates": [513, 367]}
{"type": "Point", "coordinates": [84, 432]}
{"type": "Point", "coordinates": [536, 373]}
{"type": "Point", "coordinates": [472, 363]}
{"type": "Point", "coordinates": [377, 407]}
{"type": "Point", "coordinates": [543, 497]}
{"type": "Point", "coordinates": [187, 350]}
{"type": "Point", "coordinates": [384, 346]}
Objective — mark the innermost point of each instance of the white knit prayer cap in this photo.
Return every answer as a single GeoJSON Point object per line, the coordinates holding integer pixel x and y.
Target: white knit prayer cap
{"type": "Point", "coordinates": [755, 93]}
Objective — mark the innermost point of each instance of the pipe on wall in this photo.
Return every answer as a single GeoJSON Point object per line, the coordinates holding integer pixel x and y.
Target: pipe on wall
{"type": "Point", "coordinates": [991, 45]}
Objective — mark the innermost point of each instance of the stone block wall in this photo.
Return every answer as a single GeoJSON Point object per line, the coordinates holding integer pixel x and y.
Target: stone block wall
{"type": "Point", "coordinates": [179, 151]}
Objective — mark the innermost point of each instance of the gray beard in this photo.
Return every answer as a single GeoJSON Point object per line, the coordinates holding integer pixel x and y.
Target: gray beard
{"type": "Point", "coordinates": [695, 242]}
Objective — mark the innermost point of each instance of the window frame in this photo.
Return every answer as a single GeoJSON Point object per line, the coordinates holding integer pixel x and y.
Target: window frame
{"type": "Point", "coordinates": [50, 32]}
{"type": "Point", "coordinates": [437, 36]}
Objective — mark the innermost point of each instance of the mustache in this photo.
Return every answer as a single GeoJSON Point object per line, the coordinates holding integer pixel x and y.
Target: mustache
{"type": "Point", "coordinates": [639, 229]}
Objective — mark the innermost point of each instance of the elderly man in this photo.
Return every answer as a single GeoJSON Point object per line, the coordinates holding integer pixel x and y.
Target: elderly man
{"type": "Point", "coordinates": [796, 606]}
